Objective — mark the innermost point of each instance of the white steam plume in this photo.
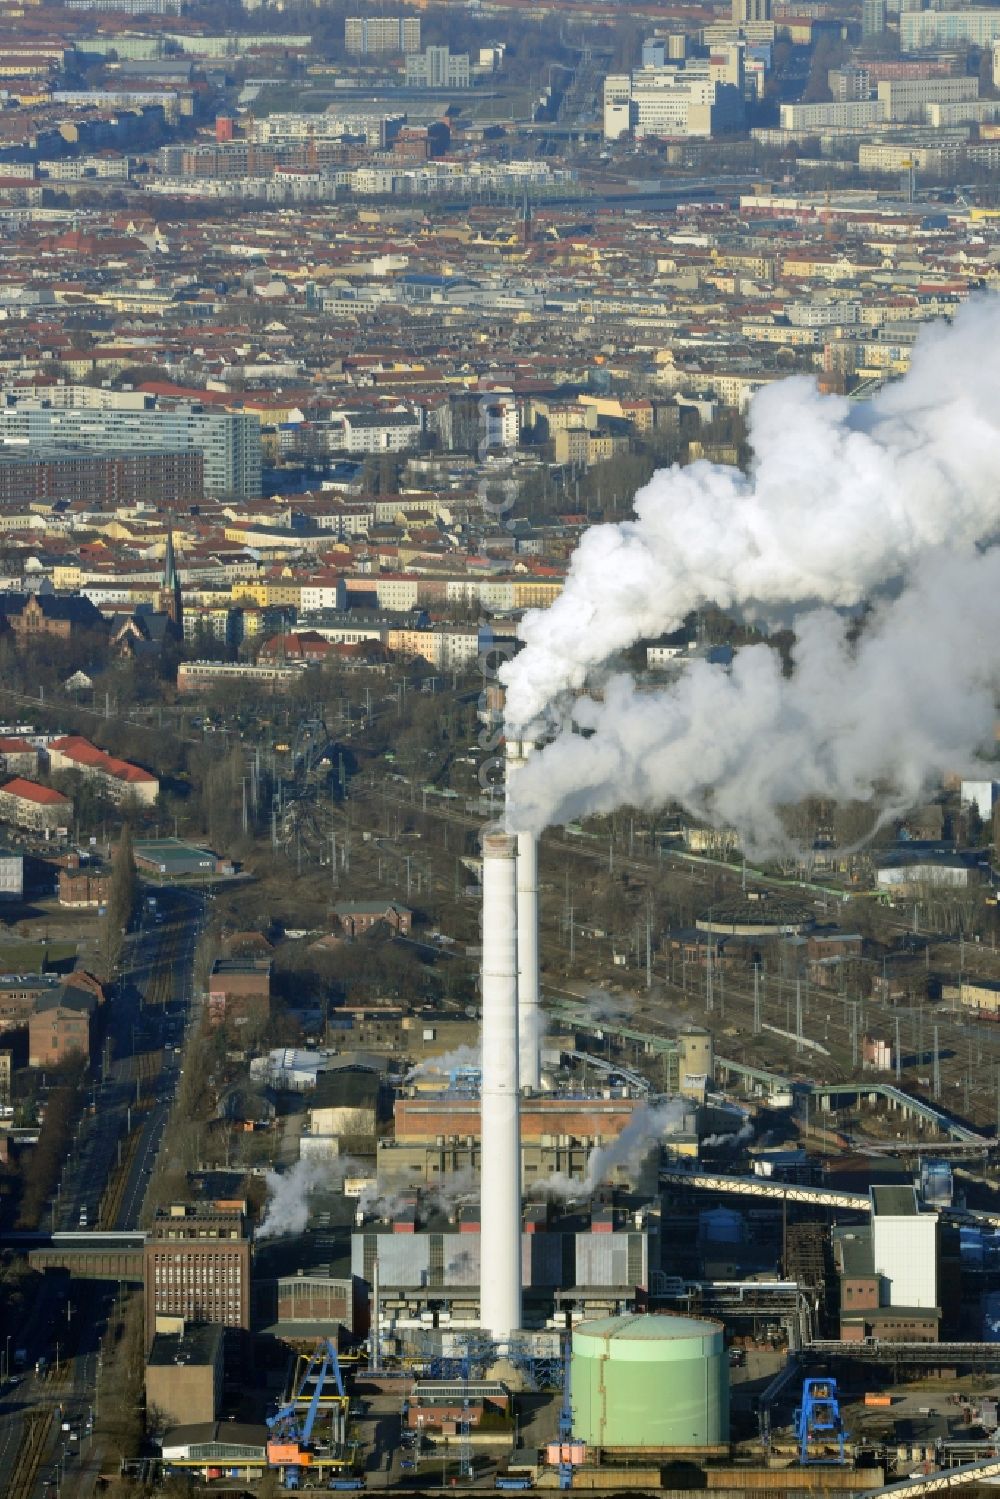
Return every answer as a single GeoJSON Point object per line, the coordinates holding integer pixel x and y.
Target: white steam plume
{"type": "Point", "coordinates": [839, 498]}
{"type": "Point", "coordinates": [289, 1192]}
{"type": "Point", "coordinates": [647, 1127]}
{"type": "Point", "coordinates": [874, 722]}
{"type": "Point", "coordinates": [439, 1067]}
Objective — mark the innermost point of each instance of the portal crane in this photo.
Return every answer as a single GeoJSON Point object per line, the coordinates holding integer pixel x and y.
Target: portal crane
{"type": "Point", "coordinates": [291, 1446]}
{"type": "Point", "coordinates": [817, 1421]}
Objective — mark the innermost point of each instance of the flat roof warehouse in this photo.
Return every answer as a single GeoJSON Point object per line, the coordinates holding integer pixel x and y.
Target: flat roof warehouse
{"type": "Point", "coordinates": [171, 856]}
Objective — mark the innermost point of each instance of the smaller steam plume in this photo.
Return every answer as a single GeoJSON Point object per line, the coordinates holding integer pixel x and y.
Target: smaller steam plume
{"type": "Point", "coordinates": [449, 1061]}
{"type": "Point", "coordinates": [289, 1192]}
{"type": "Point", "coordinates": [649, 1126]}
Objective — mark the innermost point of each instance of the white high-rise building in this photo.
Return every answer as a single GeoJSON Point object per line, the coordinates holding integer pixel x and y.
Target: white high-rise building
{"type": "Point", "coordinates": [904, 1248]}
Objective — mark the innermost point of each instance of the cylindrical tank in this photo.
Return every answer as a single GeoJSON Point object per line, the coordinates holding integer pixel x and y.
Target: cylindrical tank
{"type": "Point", "coordinates": [650, 1381]}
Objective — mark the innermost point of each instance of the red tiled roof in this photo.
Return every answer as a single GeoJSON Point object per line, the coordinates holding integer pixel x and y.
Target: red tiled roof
{"type": "Point", "coordinates": [29, 791]}
{"type": "Point", "coordinates": [74, 747]}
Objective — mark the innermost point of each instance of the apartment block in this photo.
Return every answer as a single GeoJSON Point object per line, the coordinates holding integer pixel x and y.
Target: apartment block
{"type": "Point", "coordinates": [228, 442]}
{"type": "Point", "coordinates": [364, 35]}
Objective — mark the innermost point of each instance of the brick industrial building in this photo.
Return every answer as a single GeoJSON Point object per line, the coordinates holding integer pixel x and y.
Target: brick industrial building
{"type": "Point", "coordinates": [239, 990]}
{"type": "Point", "coordinates": [196, 1265]}
{"type": "Point", "coordinates": [184, 1373]}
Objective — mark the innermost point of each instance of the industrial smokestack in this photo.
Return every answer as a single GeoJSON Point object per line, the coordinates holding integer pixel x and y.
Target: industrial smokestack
{"type": "Point", "coordinates": [500, 1216]}
{"type": "Point", "coordinates": [528, 1013]}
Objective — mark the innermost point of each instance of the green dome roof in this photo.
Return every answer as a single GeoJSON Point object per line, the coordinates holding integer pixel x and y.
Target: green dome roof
{"type": "Point", "coordinates": [648, 1326]}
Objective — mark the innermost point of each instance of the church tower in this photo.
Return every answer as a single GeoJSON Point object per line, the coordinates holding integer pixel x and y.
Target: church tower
{"type": "Point", "coordinates": [171, 587]}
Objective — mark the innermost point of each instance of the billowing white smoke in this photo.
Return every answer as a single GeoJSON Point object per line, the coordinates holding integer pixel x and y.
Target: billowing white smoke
{"type": "Point", "coordinates": [648, 1126]}
{"type": "Point", "coordinates": [874, 722]}
{"type": "Point", "coordinates": [839, 499]}
{"type": "Point", "coordinates": [288, 1195]}
{"type": "Point", "coordinates": [445, 1195]}
{"type": "Point", "coordinates": [449, 1061]}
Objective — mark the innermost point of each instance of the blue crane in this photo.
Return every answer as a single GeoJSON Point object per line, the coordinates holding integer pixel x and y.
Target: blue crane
{"type": "Point", "coordinates": [818, 1421]}
{"type": "Point", "coordinates": [290, 1440]}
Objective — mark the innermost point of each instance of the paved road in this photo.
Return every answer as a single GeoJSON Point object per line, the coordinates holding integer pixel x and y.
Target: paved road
{"type": "Point", "coordinates": [149, 1014]}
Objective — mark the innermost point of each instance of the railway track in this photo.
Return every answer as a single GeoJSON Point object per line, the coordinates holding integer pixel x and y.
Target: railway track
{"type": "Point", "coordinates": [29, 1457]}
{"type": "Point", "coordinates": [969, 1054]}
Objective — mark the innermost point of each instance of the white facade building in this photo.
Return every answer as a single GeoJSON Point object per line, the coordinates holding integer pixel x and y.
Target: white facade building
{"type": "Point", "coordinates": [926, 30]}
{"type": "Point", "coordinates": [906, 98]}
{"type": "Point", "coordinates": [904, 1248]}
{"type": "Point", "coordinates": [852, 115]}
{"type": "Point", "coordinates": [701, 99]}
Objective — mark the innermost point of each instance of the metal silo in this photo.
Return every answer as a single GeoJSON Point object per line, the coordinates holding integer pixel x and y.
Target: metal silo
{"type": "Point", "coordinates": [652, 1382]}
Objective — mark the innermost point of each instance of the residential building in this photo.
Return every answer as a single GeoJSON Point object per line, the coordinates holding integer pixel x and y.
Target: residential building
{"type": "Point", "coordinates": [936, 30]}
{"type": "Point", "coordinates": [103, 480]}
{"type": "Point", "coordinates": [228, 442]}
{"type": "Point", "coordinates": [381, 431]}
{"type": "Point", "coordinates": [59, 1026]}
{"type": "Point", "coordinates": [905, 99]}
{"type": "Point", "coordinates": [18, 757]}
{"type": "Point", "coordinates": [854, 115]}
{"type": "Point", "coordinates": [364, 35]}
{"type": "Point", "coordinates": [750, 11]}
{"type": "Point", "coordinates": [11, 875]}
{"type": "Point", "coordinates": [118, 780]}
{"type": "Point", "coordinates": [38, 809]}
{"type": "Point", "coordinates": [873, 17]}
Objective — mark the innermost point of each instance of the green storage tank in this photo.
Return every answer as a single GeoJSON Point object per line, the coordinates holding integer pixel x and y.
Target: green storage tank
{"type": "Point", "coordinates": [650, 1381]}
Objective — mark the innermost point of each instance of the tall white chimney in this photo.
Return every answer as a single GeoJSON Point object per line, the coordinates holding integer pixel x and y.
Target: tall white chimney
{"type": "Point", "coordinates": [500, 1208]}
{"type": "Point", "coordinates": [529, 1028]}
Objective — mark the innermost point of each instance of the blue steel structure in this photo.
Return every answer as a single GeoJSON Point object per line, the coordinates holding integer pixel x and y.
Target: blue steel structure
{"type": "Point", "coordinates": [290, 1429]}
{"type": "Point", "coordinates": [818, 1422]}
{"type": "Point", "coordinates": [566, 1418]}
{"type": "Point", "coordinates": [475, 1351]}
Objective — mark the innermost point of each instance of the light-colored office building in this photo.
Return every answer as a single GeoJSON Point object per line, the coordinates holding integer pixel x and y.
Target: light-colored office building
{"type": "Point", "coordinates": [438, 67]}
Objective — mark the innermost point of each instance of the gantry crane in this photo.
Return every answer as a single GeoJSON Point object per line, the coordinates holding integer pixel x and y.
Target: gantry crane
{"type": "Point", "coordinates": [818, 1422]}
{"type": "Point", "coordinates": [292, 1443]}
